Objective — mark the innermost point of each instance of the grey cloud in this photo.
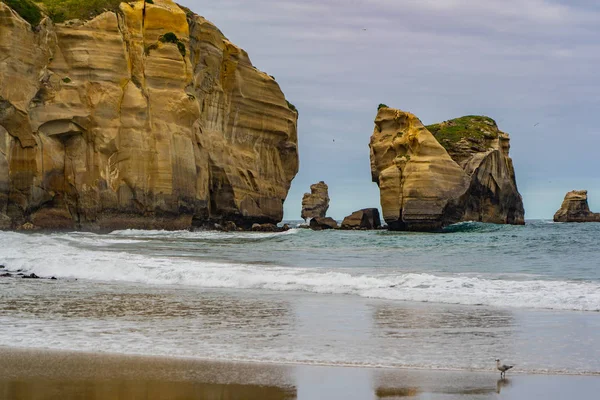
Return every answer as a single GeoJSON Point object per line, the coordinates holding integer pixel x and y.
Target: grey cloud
{"type": "Point", "coordinates": [518, 61]}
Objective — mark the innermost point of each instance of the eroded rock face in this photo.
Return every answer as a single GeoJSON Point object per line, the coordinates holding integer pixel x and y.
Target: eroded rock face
{"type": "Point", "coordinates": [316, 203]}
{"type": "Point", "coordinates": [367, 218]}
{"type": "Point", "coordinates": [575, 208]}
{"type": "Point", "coordinates": [425, 186]}
{"type": "Point", "coordinates": [144, 118]}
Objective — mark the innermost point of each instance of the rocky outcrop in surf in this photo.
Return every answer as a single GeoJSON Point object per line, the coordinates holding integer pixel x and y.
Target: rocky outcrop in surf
{"type": "Point", "coordinates": [316, 203]}
{"type": "Point", "coordinates": [367, 218]}
{"type": "Point", "coordinates": [141, 117]}
{"type": "Point", "coordinates": [434, 176]}
{"type": "Point", "coordinates": [575, 208]}
{"type": "Point", "coordinates": [323, 223]}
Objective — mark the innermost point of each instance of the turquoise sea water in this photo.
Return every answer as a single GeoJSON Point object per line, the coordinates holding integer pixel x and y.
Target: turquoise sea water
{"type": "Point", "coordinates": [456, 300]}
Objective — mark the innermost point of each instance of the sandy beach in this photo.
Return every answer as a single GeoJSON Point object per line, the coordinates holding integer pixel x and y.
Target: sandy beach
{"type": "Point", "coordinates": [37, 374]}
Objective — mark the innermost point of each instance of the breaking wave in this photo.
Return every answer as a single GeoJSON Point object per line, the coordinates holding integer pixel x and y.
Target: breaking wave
{"type": "Point", "coordinates": [64, 257]}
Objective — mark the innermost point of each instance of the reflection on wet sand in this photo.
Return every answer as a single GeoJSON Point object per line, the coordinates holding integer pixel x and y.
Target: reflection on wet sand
{"type": "Point", "coordinates": [44, 375]}
{"type": "Point", "coordinates": [397, 392]}
{"type": "Point", "coordinates": [384, 393]}
{"type": "Point", "coordinates": [78, 301]}
{"type": "Point", "coordinates": [501, 384]}
{"type": "Point", "coordinates": [32, 389]}
{"type": "Point", "coordinates": [394, 318]}
{"type": "Point", "coordinates": [413, 335]}
{"type": "Point", "coordinates": [47, 375]}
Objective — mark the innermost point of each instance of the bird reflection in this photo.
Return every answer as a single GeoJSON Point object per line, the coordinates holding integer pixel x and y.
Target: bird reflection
{"type": "Point", "coordinates": [503, 382]}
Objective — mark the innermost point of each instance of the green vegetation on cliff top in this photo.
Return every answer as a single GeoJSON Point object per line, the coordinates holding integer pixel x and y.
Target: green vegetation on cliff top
{"type": "Point", "coordinates": [26, 9]}
{"type": "Point", "coordinates": [292, 107]}
{"type": "Point", "coordinates": [63, 10]}
{"type": "Point", "coordinates": [473, 127]}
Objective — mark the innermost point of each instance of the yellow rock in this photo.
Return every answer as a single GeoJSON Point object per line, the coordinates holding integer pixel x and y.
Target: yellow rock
{"type": "Point", "coordinates": [575, 208]}
{"type": "Point", "coordinates": [107, 124]}
{"type": "Point", "coordinates": [423, 188]}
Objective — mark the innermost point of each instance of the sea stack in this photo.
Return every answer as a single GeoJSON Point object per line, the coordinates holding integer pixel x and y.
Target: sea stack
{"type": "Point", "coordinates": [145, 116]}
{"type": "Point", "coordinates": [575, 208]}
{"type": "Point", "coordinates": [433, 176]}
{"type": "Point", "coordinates": [316, 203]}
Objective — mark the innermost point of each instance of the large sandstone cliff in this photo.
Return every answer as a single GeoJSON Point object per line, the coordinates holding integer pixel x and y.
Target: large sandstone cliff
{"type": "Point", "coordinates": [575, 208]}
{"type": "Point", "coordinates": [145, 117]}
{"type": "Point", "coordinates": [427, 181]}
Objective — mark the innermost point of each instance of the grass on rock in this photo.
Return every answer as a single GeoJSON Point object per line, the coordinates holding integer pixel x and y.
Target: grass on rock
{"type": "Point", "coordinates": [63, 10]}
{"type": "Point", "coordinates": [292, 107]}
{"type": "Point", "coordinates": [27, 9]}
{"type": "Point", "coordinates": [473, 127]}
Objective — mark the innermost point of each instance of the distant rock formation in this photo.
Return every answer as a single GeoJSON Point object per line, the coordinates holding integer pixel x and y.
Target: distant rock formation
{"type": "Point", "coordinates": [575, 208]}
{"type": "Point", "coordinates": [141, 117]}
{"type": "Point", "coordinates": [434, 176]}
{"type": "Point", "coordinates": [367, 218]}
{"type": "Point", "coordinates": [316, 203]}
{"type": "Point", "coordinates": [321, 223]}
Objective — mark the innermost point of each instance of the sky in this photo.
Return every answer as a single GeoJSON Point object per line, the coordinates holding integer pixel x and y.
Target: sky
{"type": "Point", "coordinates": [532, 65]}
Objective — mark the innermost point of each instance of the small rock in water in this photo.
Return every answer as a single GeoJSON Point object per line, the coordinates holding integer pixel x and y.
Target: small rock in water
{"type": "Point", "coordinates": [318, 224]}
{"type": "Point", "coordinates": [264, 228]}
{"type": "Point", "coordinates": [230, 226]}
{"type": "Point", "coordinates": [2, 267]}
{"type": "Point", "coordinates": [5, 275]}
{"type": "Point", "coordinates": [31, 276]}
{"type": "Point", "coordinates": [53, 278]}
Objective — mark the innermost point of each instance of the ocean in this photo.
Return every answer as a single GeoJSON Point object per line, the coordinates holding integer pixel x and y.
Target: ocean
{"type": "Point", "coordinates": [455, 300]}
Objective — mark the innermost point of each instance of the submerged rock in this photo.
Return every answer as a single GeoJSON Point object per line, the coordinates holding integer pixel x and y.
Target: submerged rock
{"type": "Point", "coordinates": [31, 276]}
{"type": "Point", "coordinates": [367, 218]}
{"type": "Point", "coordinates": [266, 228]}
{"type": "Point", "coordinates": [145, 116]}
{"type": "Point", "coordinates": [319, 224]}
{"type": "Point", "coordinates": [430, 177]}
{"type": "Point", "coordinates": [316, 203]}
{"type": "Point", "coordinates": [575, 208]}
{"type": "Point", "coordinates": [5, 275]}
{"type": "Point", "coordinates": [229, 226]}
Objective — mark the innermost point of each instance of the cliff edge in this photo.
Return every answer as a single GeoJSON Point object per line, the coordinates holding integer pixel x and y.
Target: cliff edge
{"type": "Point", "coordinates": [143, 116]}
{"type": "Point", "coordinates": [434, 176]}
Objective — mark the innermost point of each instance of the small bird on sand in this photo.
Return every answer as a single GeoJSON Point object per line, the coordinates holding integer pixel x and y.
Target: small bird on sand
{"type": "Point", "coordinates": [502, 368]}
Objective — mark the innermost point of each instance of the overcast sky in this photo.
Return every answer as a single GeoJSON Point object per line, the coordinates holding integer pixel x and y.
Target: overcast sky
{"type": "Point", "coordinates": [532, 65]}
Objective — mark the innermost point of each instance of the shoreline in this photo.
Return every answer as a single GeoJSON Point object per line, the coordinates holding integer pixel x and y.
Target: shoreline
{"type": "Point", "coordinates": [280, 364]}
{"type": "Point", "coordinates": [27, 374]}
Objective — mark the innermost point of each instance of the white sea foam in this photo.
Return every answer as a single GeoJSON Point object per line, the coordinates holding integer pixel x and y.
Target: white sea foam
{"type": "Point", "coordinates": [55, 255]}
{"type": "Point", "coordinates": [201, 234]}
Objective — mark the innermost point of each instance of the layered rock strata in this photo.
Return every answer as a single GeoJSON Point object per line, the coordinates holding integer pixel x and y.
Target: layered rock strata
{"type": "Point", "coordinates": [425, 185]}
{"type": "Point", "coordinates": [147, 117]}
{"type": "Point", "coordinates": [367, 218]}
{"type": "Point", "coordinates": [575, 208]}
{"type": "Point", "coordinates": [316, 203]}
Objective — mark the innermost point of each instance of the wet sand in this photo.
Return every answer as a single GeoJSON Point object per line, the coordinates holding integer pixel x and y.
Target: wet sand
{"type": "Point", "coordinates": [44, 375]}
